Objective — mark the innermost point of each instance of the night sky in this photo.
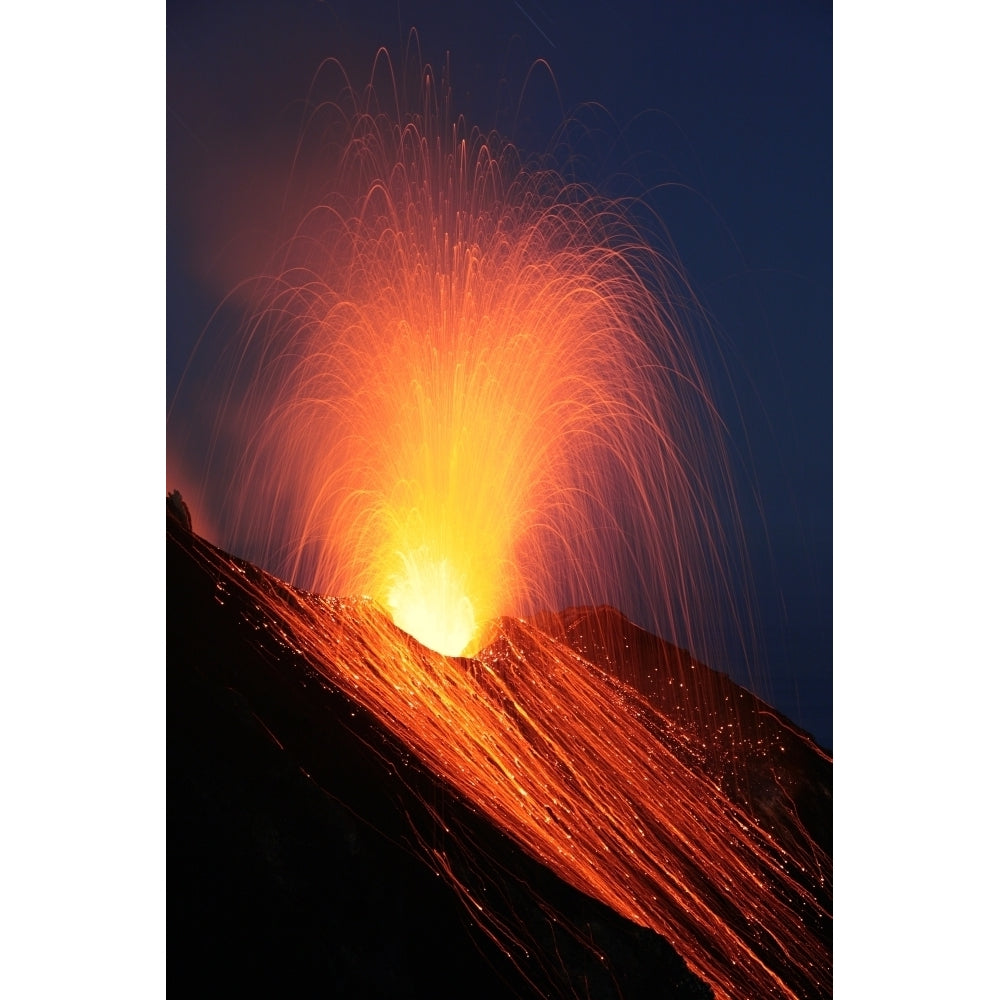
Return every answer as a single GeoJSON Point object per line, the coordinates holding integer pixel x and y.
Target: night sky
{"type": "Point", "coordinates": [723, 114]}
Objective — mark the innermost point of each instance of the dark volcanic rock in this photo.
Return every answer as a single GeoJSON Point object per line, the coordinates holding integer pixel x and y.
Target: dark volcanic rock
{"type": "Point", "coordinates": [305, 842]}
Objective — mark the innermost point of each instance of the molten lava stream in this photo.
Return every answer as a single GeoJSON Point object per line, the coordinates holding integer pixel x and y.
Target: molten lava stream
{"type": "Point", "coordinates": [556, 754]}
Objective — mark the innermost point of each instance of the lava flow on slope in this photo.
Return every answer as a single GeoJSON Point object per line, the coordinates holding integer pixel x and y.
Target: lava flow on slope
{"type": "Point", "coordinates": [704, 821]}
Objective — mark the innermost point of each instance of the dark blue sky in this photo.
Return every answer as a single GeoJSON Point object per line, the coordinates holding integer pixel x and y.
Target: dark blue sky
{"type": "Point", "coordinates": [723, 109]}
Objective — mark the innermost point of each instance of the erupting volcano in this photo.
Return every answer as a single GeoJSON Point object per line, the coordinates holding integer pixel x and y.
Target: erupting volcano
{"type": "Point", "coordinates": [467, 392]}
{"type": "Point", "coordinates": [467, 395]}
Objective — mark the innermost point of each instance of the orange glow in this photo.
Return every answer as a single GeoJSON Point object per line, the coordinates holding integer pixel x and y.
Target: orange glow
{"type": "Point", "coordinates": [429, 600]}
{"type": "Point", "coordinates": [468, 394]}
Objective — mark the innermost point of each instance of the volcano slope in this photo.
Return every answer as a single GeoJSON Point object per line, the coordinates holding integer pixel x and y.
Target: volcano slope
{"type": "Point", "coordinates": [351, 812]}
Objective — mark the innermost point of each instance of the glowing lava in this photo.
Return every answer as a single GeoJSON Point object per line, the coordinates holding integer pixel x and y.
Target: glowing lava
{"type": "Point", "coordinates": [465, 393]}
{"type": "Point", "coordinates": [428, 600]}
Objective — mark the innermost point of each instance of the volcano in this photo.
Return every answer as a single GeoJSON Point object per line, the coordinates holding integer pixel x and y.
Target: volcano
{"type": "Point", "coordinates": [580, 810]}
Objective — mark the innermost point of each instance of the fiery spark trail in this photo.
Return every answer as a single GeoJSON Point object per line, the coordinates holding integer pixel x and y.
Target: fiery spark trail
{"type": "Point", "coordinates": [465, 393]}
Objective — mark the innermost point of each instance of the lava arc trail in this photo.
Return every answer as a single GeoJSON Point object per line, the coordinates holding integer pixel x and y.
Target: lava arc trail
{"type": "Point", "coordinates": [465, 394]}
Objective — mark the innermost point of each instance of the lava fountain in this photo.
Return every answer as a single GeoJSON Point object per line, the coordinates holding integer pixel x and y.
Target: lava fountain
{"type": "Point", "coordinates": [465, 391]}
